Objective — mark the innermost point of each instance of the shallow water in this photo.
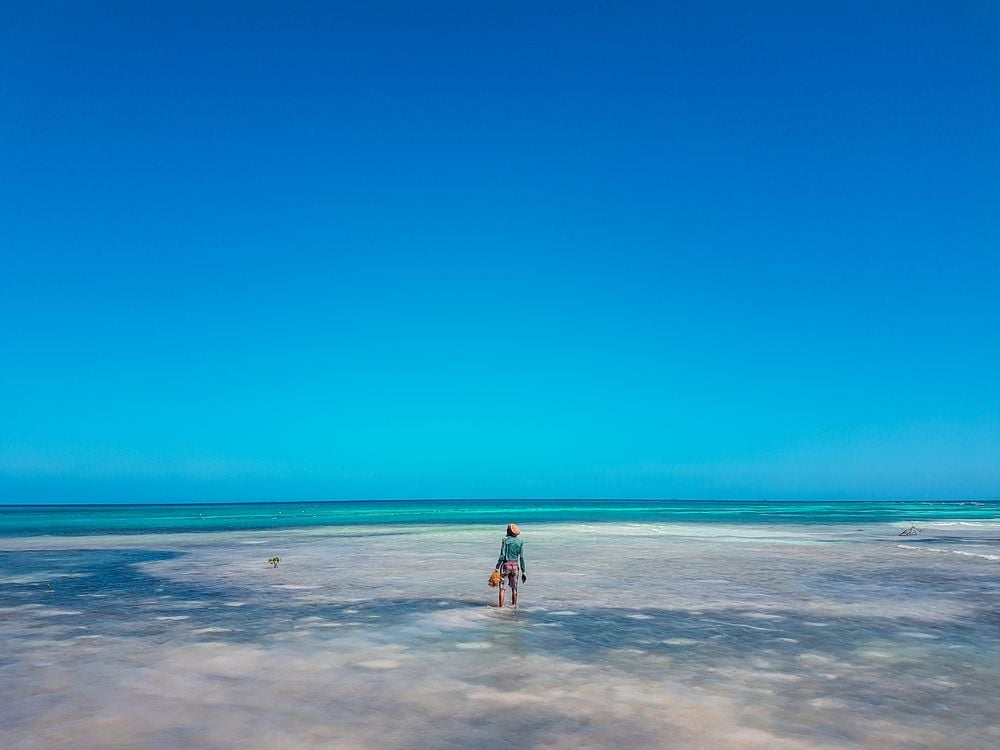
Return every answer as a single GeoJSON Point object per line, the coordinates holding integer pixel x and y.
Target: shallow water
{"type": "Point", "coordinates": [639, 635]}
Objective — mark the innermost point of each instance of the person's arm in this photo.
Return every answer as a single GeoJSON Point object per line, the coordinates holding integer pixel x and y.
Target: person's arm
{"type": "Point", "coordinates": [500, 559]}
{"type": "Point", "coordinates": [524, 573]}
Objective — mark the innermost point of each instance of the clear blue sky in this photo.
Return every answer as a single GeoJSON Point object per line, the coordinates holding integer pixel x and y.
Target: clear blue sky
{"type": "Point", "coordinates": [258, 251]}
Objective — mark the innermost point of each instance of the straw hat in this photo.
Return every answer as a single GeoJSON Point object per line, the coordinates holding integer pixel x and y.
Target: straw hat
{"type": "Point", "coordinates": [513, 529]}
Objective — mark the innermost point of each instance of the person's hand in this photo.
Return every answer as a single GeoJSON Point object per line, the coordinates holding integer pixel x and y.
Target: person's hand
{"type": "Point", "coordinates": [524, 577]}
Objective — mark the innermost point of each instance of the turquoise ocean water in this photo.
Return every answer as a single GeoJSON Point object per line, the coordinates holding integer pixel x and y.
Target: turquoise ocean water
{"type": "Point", "coordinates": [643, 624]}
{"type": "Point", "coordinates": [138, 519]}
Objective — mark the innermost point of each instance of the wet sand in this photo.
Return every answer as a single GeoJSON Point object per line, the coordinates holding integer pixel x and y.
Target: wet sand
{"type": "Point", "coordinates": [639, 636]}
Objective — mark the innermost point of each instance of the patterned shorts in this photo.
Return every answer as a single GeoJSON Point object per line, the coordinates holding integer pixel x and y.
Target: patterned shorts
{"type": "Point", "coordinates": [509, 573]}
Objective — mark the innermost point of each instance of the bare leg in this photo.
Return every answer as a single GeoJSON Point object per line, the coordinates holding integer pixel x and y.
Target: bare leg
{"type": "Point", "coordinates": [513, 598]}
{"type": "Point", "coordinates": [501, 597]}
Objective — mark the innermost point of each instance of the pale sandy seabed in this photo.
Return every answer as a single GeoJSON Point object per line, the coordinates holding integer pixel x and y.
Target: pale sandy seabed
{"type": "Point", "coordinates": [628, 636]}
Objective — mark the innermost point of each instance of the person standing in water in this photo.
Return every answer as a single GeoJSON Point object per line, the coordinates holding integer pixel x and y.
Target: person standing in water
{"type": "Point", "coordinates": [511, 563]}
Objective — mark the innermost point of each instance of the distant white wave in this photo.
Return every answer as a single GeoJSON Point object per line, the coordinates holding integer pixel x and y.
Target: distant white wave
{"type": "Point", "coordinates": [952, 551]}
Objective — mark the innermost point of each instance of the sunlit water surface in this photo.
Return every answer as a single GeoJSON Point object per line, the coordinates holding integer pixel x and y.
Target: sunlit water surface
{"type": "Point", "coordinates": [629, 635]}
